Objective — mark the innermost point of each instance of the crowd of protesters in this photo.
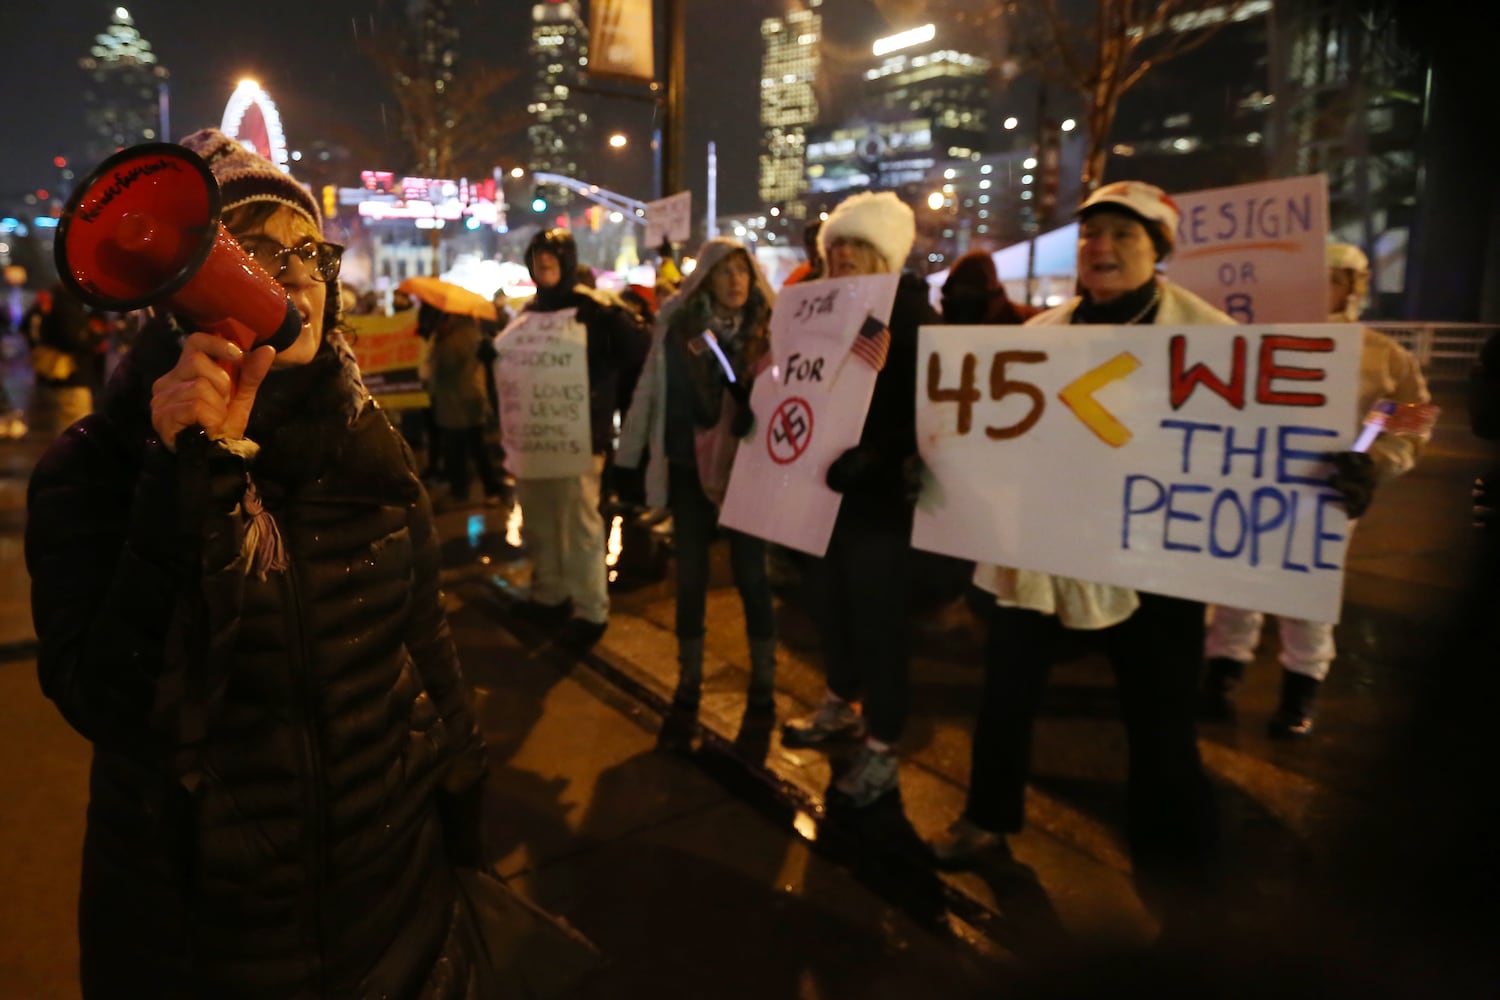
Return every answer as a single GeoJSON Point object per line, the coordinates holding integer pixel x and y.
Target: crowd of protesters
{"type": "Point", "coordinates": [184, 517]}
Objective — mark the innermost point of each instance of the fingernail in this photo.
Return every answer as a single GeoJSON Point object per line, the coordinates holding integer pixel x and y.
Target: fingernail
{"type": "Point", "coordinates": [238, 351]}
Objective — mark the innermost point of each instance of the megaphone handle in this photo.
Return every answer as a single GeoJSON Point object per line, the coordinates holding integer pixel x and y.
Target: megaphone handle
{"type": "Point", "coordinates": [236, 333]}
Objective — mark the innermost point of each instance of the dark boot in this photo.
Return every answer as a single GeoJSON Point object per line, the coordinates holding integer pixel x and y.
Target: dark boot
{"type": "Point", "coordinates": [680, 724]}
{"type": "Point", "coordinates": [1221, 676]}
{"type": "Point", "coordinates": [1294, 716]}
{"type": "Point", "coordinates": [689, 673]}
{"type": "Point", "coordinates": [762, 693]}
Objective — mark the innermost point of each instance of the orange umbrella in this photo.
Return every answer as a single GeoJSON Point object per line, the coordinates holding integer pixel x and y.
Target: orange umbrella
{"type": "Point", "coordinates": [448, 297]}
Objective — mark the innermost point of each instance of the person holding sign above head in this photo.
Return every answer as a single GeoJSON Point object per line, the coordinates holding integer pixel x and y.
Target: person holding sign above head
{"type": "Point", "coordinates": [689, 411]}
{"type": "Point", "coordinates": [860, 589]}
{"type": "Point", "coordinates": [1387, 374]}
{"type": "Point", "coordinates": [1153, 642]}
{"type": "Point", "coordinates": [562, 526]}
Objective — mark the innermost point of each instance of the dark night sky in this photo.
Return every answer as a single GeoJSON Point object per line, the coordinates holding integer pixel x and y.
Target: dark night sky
{"type": "Point", "coordinates": [304, 53]}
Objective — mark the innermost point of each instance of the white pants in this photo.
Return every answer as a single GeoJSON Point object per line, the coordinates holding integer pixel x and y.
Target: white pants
{"type": "Point", "coordinates": [564, 532]}
{"type": "Point", "coordinates": [1306, 647]}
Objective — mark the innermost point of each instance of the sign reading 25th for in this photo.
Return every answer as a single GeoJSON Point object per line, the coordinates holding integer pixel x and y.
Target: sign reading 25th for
{"type": "Point", "coordinates": [1178, 460]}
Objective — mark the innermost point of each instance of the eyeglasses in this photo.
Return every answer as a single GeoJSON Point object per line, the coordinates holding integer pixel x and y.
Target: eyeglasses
{"type": "Point", "coordinates": [321, 258]}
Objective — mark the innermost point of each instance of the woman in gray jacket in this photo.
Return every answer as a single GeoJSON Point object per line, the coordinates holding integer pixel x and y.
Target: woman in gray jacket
{"type": "Point", "coordinates": [690, 407]}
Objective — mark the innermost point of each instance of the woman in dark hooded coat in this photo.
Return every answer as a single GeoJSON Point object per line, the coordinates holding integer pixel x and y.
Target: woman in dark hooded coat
{"type": "Point", "coordinates": [236, 595]}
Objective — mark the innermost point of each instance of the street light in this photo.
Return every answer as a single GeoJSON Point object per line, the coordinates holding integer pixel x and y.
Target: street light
{"type": "Point", "coordinates": [618, 140]}
{"type": "Point", "coordinates": [935, 200]}
{"type": "Point", "coordinates": [1069, 125]}
{"type": "Point", "coordinates": [1029, 163]}
{"type": "Point", "coordinates": [1011, 123]}
{"type": "Point", "coordinates": [518, 172]}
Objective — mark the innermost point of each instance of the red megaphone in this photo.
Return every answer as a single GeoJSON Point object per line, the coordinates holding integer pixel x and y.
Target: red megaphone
{"type": "Point", "coordinates": [144, 228]}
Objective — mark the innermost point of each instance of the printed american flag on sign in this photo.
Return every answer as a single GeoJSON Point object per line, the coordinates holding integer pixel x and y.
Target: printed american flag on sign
{"type": "Point", "coordinates": [872, 343]}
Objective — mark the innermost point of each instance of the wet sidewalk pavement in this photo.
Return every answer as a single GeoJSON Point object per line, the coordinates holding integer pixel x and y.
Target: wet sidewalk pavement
{"type": "Point", "coordinates": [707, 875]}
{"type": "Point", "coordinates": [690, 887]}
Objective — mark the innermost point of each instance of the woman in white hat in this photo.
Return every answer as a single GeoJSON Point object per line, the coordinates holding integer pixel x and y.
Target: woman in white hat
{"type": "Point", "coordinates": [1387, 371]}
{"type": "Point", "coordinates": [1153, 642]}
{"type": "Point", "coordinates": [860, 590]}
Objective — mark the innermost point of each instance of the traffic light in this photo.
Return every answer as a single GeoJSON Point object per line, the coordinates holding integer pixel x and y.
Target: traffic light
{"type": "Point", "coordinates": [330, 201]}
{"type": "Point", "coordinates": [538, 201]}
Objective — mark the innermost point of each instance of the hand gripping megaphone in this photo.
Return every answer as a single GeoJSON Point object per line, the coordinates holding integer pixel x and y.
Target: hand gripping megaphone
{"type": "Point", "coordinates": [144, 229]}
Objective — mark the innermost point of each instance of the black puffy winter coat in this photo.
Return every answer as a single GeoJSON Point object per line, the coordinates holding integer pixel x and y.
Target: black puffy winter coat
{"type": "Point", "coordinates": [273, 758]}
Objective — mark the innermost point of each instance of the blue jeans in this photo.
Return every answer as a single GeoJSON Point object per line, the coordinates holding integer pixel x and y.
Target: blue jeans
{"type": "Point", "coordinates": [695, 521]}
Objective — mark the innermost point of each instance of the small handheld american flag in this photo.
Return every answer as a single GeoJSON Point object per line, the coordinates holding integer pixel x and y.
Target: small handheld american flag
{"type": "Point", "coordinates": [872, 343]}
{"type": "Point", "coordinates": [1390, 417]}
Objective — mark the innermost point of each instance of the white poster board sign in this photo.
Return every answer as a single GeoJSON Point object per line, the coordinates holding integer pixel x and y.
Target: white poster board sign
{"type": "Point", "coordinates": [669, 218]}
{"type": "Point", "coordinates": [542, 381]}
{"type": "Point", "coordinates": [810, 406]}
{"type": "Point", "coordinates": [1256, 250]}
{"type": "Point", "coordinates": [1183, 461]}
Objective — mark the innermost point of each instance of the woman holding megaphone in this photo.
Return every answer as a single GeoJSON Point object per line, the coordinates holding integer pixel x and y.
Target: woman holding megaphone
{"type": "Point", "coordinates": [235, 587]}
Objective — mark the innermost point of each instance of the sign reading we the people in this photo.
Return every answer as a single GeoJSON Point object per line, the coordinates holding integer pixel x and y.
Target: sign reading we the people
{"type": "Point", "coordinates": [1184, 461]}
{"type": "Point", "coordinates": [1256, 250]}
{"type": "Point", "coordinates": [542, 381]}
{"type": "Point", "coordinates": [390, 356]}
{"type": "Point", "coordinates": [828, 343]}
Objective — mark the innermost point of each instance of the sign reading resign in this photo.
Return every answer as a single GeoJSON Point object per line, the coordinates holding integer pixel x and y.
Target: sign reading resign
{"type": "Point", "coordinates": [542, 380]}
{"type": "Point", "coordinates": [828, 341]}
{"type": "Point", "coordinates": [390, 356]}
{"type": "Point", "coordinates": [669, 218]}
{"type": "Point", "coordinates": [1184, 461]}
{"type": "Point", "coordinates": [1256, 250]}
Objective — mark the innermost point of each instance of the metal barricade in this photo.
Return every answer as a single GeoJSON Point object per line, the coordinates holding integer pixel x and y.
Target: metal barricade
{"type": "Point", "coordinates": [1446, 351]}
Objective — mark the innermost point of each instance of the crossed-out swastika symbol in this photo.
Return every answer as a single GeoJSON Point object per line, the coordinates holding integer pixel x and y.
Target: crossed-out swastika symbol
{"type": "Point", "coordinates": [790, 430]}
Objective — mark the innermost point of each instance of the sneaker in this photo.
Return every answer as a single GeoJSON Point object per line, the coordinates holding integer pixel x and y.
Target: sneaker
{"type": "Point", "coordinates": [834, 721]}
{"type": "Point", "coordinates": [872, 775]}
{"type": "Point", "coordinates": [963, 843]}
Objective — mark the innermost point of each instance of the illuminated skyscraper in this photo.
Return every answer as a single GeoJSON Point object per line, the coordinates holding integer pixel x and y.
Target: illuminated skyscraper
{"type": "Point", "coordinates": [921, 74]}
{"type": "Point", "coordinates": [788, 103]}
{"type": "Point", "coordinates": [125, 102]}
{"type": "Point", "coordinates": [560, 54]}
{"type": "Point", "coordinates": [434, 42]}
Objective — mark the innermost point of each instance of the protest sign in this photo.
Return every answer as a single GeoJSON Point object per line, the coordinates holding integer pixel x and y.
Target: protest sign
{"type": "Point", "coordinates": [390, 356]}
{"type": "Point", "coordinates": [542, 380]}
{"type": "Point", "coordinates": [809, 407]}
{"type": "Point", "coordinates": [1177, 460]}
{"type": "Point", "coordinates": [670, 218]}
{"type": "Point", "coordinates": [1256, 250]}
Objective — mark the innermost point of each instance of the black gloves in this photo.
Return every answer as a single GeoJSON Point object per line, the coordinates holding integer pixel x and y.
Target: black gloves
{"type": "Point", "coordinates": [1354, 478]}
{"type": "Point", "coordinates": [851, 470]}
{"type": "Point", "coordinates": [1485, 503]}
{"type": "Point", "coordinates": [743, 422]}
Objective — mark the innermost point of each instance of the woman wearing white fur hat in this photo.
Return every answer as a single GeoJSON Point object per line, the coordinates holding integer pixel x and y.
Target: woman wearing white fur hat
{"type": "Point", "coordinates": [860, 588]}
